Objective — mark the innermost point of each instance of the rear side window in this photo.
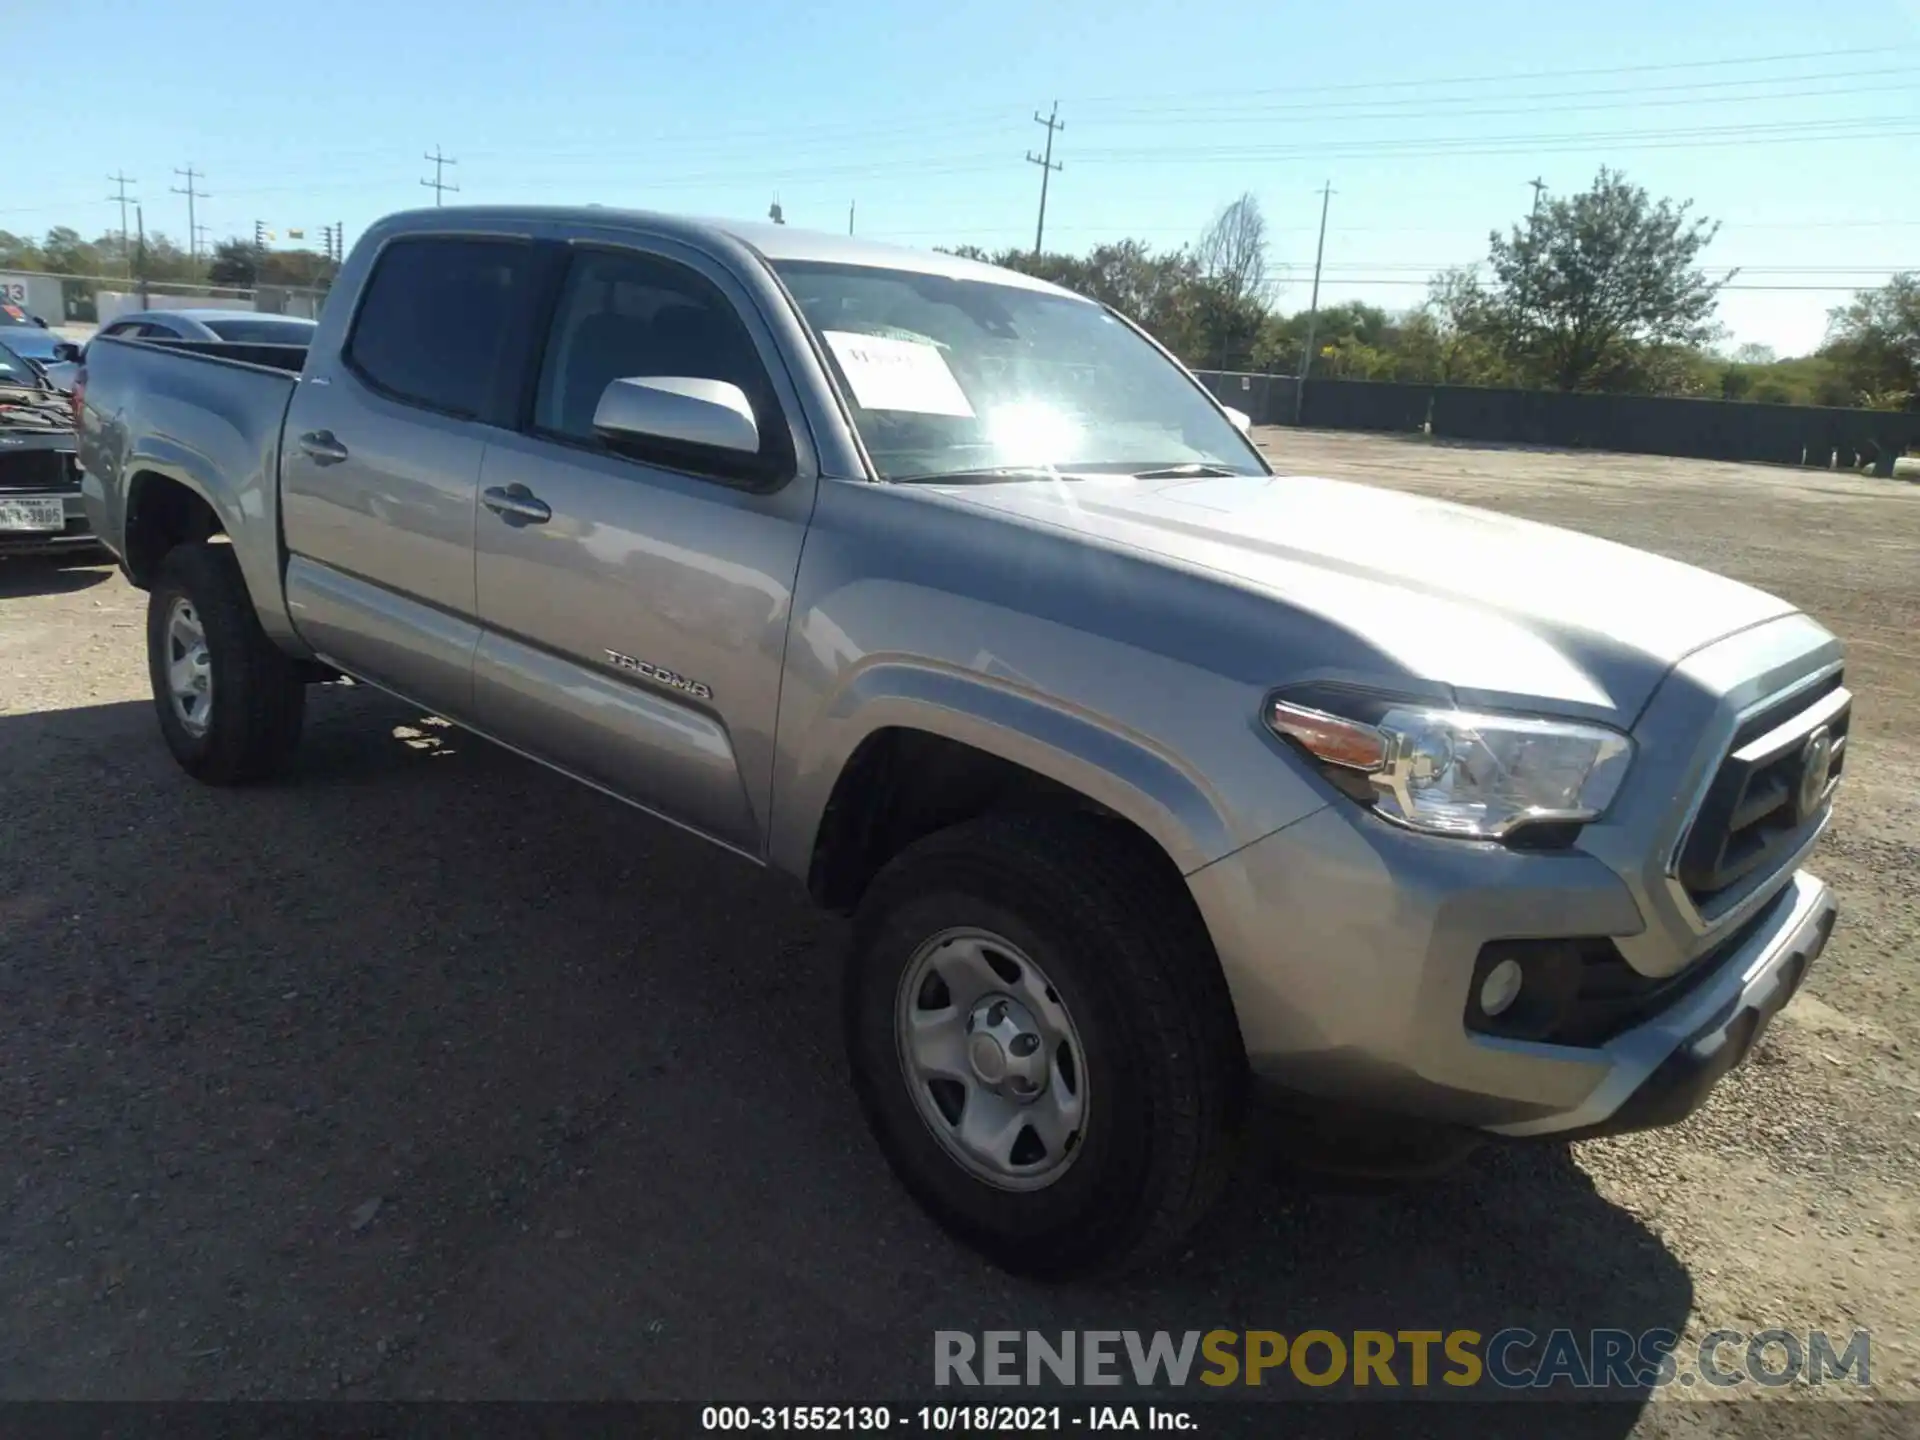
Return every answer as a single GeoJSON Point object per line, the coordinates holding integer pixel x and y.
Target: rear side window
{"type": "Point", "coordinates": [435, 318]}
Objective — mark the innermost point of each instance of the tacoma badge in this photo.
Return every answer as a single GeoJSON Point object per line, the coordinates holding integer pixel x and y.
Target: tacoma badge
{"type": "Point", "coordinates": [658, 675]}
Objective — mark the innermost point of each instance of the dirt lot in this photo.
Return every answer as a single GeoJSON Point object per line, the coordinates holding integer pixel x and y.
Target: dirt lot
{"type": "Point", "coordinates": [431, 1074]}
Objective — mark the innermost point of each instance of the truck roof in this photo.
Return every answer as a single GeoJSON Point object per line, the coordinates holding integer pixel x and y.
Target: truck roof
{"type": "Point", "coordinates": [772, 242]}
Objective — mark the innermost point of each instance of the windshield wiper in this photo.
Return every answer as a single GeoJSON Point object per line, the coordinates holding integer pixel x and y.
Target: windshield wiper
{"type": "Point", "coordinates": [984, 475]}
{"type": "Point", "coordinates": [1182, 472]}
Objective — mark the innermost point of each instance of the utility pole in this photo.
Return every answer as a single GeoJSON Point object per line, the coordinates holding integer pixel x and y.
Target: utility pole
{"type": "Point", "coordinates": [850, 205]}
{"type": "Point", "coordinates": [436, 184]}
{"type": "Point", "coordinates": [193, 230]}
{"type": "Point", "coordinates": [1047, 166]}
{"type": "Point", "coordinates": [140, 255]}
{"type": "Point", "coordinates": [1313, 309]}
{"type": "Point", "coordinates": [124, 200]}
{"type": "Point", "coordinates": [1526, 275]}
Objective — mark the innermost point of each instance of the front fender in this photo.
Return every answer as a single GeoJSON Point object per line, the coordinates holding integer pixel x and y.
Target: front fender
{"type": "Point", "coordinates": [1121, 770]}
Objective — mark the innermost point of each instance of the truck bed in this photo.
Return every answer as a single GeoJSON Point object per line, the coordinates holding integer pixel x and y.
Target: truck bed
{"type": "Point", "coordinates": [291, 358]}
{"type": "Point", "coordinates": [204, 416]}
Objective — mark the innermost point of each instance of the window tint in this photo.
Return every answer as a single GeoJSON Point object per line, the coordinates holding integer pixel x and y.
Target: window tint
{"type": "Point", "coordinates": [627, 315]}
{"type": "Point", "coordinates": [435, 318]}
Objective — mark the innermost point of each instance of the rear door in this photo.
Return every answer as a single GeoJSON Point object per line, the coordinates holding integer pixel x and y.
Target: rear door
{"type": "Point", "coordinates": [381, 462]}
{"type": "Point", "coordinates": [634, 606]}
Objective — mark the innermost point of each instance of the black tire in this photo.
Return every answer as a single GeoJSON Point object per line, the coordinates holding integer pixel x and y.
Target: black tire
{"type": "Point", "coordinates": [259, 697]}
{"type": "Point", "coordinates": [1106, 919]}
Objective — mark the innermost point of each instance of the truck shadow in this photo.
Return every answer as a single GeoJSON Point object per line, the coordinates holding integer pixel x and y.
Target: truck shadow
{"type": "Point", "coordinates": [506, 1091]}
{"type": "Point", "coordinates": [24, 575]}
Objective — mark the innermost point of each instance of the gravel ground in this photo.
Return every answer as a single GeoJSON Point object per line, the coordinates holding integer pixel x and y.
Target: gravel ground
{"type": "Point", "coordinates": [428, 1073]}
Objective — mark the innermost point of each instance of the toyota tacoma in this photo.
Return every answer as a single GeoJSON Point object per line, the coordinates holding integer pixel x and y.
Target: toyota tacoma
{"type": "Point", "coordinates": [1156, 783]}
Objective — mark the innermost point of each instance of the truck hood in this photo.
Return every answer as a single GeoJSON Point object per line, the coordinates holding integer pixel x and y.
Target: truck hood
{"type": "Point", "coordinates": [1499, 609]}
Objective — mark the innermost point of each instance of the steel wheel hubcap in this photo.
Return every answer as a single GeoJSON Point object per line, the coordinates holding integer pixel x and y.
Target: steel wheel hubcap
{"type": "Point", "coordinates": [992, 1059]}
{"type": "Point", "coordinates": [189, 667]}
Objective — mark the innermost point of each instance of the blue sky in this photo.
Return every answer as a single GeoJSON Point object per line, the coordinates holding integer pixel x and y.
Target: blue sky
{"type": "Point", "coordinates": [1428, 118]}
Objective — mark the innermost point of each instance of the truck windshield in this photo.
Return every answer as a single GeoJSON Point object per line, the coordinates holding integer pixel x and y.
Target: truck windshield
{"type": "Point", "coordinates": [947, 376]}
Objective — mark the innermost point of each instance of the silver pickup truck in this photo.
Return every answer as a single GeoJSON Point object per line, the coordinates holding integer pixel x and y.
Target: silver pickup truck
{"type": "Point", "coordinates": [1155, 782]}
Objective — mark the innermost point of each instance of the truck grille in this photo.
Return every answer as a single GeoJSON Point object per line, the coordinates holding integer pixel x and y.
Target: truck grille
{"type": "Point", "coordinates": [42, 471]}
{"type": "Point", "coordinates": [1771, 788]}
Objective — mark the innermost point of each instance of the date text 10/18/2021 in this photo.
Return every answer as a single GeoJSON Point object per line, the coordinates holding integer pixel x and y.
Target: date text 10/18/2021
{"type": "Point", "coordinates": [946, 1419]}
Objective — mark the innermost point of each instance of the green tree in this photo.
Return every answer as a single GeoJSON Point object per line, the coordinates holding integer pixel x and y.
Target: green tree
{"type": "Point", "coordinates": [1455, 338]}
{"type": "Point", "coordinates": [17, 252]}
{"type": "Point", "coordinates": [1874, 341]}
{"type": "Point", "coordinates": [235, 262]}
{"type": "Point", "coordinates": [1165, 292]}
{"type": "Point", "coordinates": [1588, 282]}
{"type": "Point", "coordinates": [65, 253]}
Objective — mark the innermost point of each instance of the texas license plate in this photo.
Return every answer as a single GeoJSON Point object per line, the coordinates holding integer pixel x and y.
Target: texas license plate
{"type": "Point", "coordinates": [32, 514]}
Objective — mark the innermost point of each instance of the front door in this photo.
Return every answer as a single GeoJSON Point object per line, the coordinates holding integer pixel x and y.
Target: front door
{"type": "Point", "coordinates": [381, 465]}
{"type": "Point", "coordinates": [634, 612]}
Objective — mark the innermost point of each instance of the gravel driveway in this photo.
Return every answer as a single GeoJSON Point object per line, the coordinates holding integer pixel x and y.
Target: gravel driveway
{"type": "Point", "coordinates": [428, 1073]}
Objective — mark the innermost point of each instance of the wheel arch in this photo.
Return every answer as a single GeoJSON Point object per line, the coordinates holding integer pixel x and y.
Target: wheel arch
{"type": "Point", "coordinates": [916, 749]}
{"type": "Point", "coordinates": [164, 509]}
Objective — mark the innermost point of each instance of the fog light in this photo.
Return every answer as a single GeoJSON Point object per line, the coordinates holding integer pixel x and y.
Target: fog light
{"type": "Point", "coordinates": [1501, 987]}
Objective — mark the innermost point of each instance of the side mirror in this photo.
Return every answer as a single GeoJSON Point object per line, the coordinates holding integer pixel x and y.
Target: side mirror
{"type": "Point", "coordinates": [1242, 421]}
{"type": "Point", "coordinates": [66, 351]}
{"type": "Point", "coordinates": [679, 412]}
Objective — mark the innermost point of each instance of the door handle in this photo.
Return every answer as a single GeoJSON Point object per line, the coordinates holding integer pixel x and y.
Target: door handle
{"type": "Point", "coordinates": [516, 505]}
{"type": "Point", "coordinates": [322, 448]}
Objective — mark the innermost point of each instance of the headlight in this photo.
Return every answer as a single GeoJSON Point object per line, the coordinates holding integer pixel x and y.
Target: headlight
{"type": "Point", "coordinates": [1456, 773]}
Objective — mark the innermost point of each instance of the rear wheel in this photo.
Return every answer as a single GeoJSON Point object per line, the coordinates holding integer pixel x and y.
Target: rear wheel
{"type": "Point", "coordinates": [1043, 1043]}
{"type": "Point", "coordinates": [230, 703]}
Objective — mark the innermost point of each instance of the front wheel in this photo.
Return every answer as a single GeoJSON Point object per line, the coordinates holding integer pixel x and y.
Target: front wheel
{"type": "Point", "coordinates": [1043, 1043]}
{"type": "Point", "coordinates": [230, 703]}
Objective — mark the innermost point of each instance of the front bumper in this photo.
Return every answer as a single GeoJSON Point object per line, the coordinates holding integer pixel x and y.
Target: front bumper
{"type": "Point", "coordinates": [1660, 1072]}
{"type": "Point", "coordinates": [1349, 948]}
{"type": "Point", "coordinates": [76, 535]}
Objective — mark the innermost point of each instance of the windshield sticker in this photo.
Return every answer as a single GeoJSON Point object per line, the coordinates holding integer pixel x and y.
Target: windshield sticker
{"type": "Point", "coordinates": [891, 374]}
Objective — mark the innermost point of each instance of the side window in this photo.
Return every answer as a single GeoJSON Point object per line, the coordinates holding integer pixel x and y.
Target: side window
{"type": "Point", "coordinates": [625, 315]}
{"type": "Point", "coordinates": [435, 319]}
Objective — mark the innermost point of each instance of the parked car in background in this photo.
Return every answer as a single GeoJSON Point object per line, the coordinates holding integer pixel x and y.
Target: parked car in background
{"type": "Point", "coordinates": [12, 315]}
{"type": "Point", "coordinates": [235, 325]}
{"type": "Point", "coordinates": [28, 348]}
{"type": "Point", "coordinates": [40, 507]}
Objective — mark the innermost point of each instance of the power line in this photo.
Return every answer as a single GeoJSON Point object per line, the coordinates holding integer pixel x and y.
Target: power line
{"type": "Point", "coordinates": [1704, 136]}
{"type": "Point", "coordinates": [1424, 106]}
{"type": "Point", "coordinates": [1047, 166]}
{"type": "Point", "coordinates": [193, 230]}
{"type": "Point", "coordinates": [437, 185]}
{"type": "Point", "coordinates": [1483, 79]}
